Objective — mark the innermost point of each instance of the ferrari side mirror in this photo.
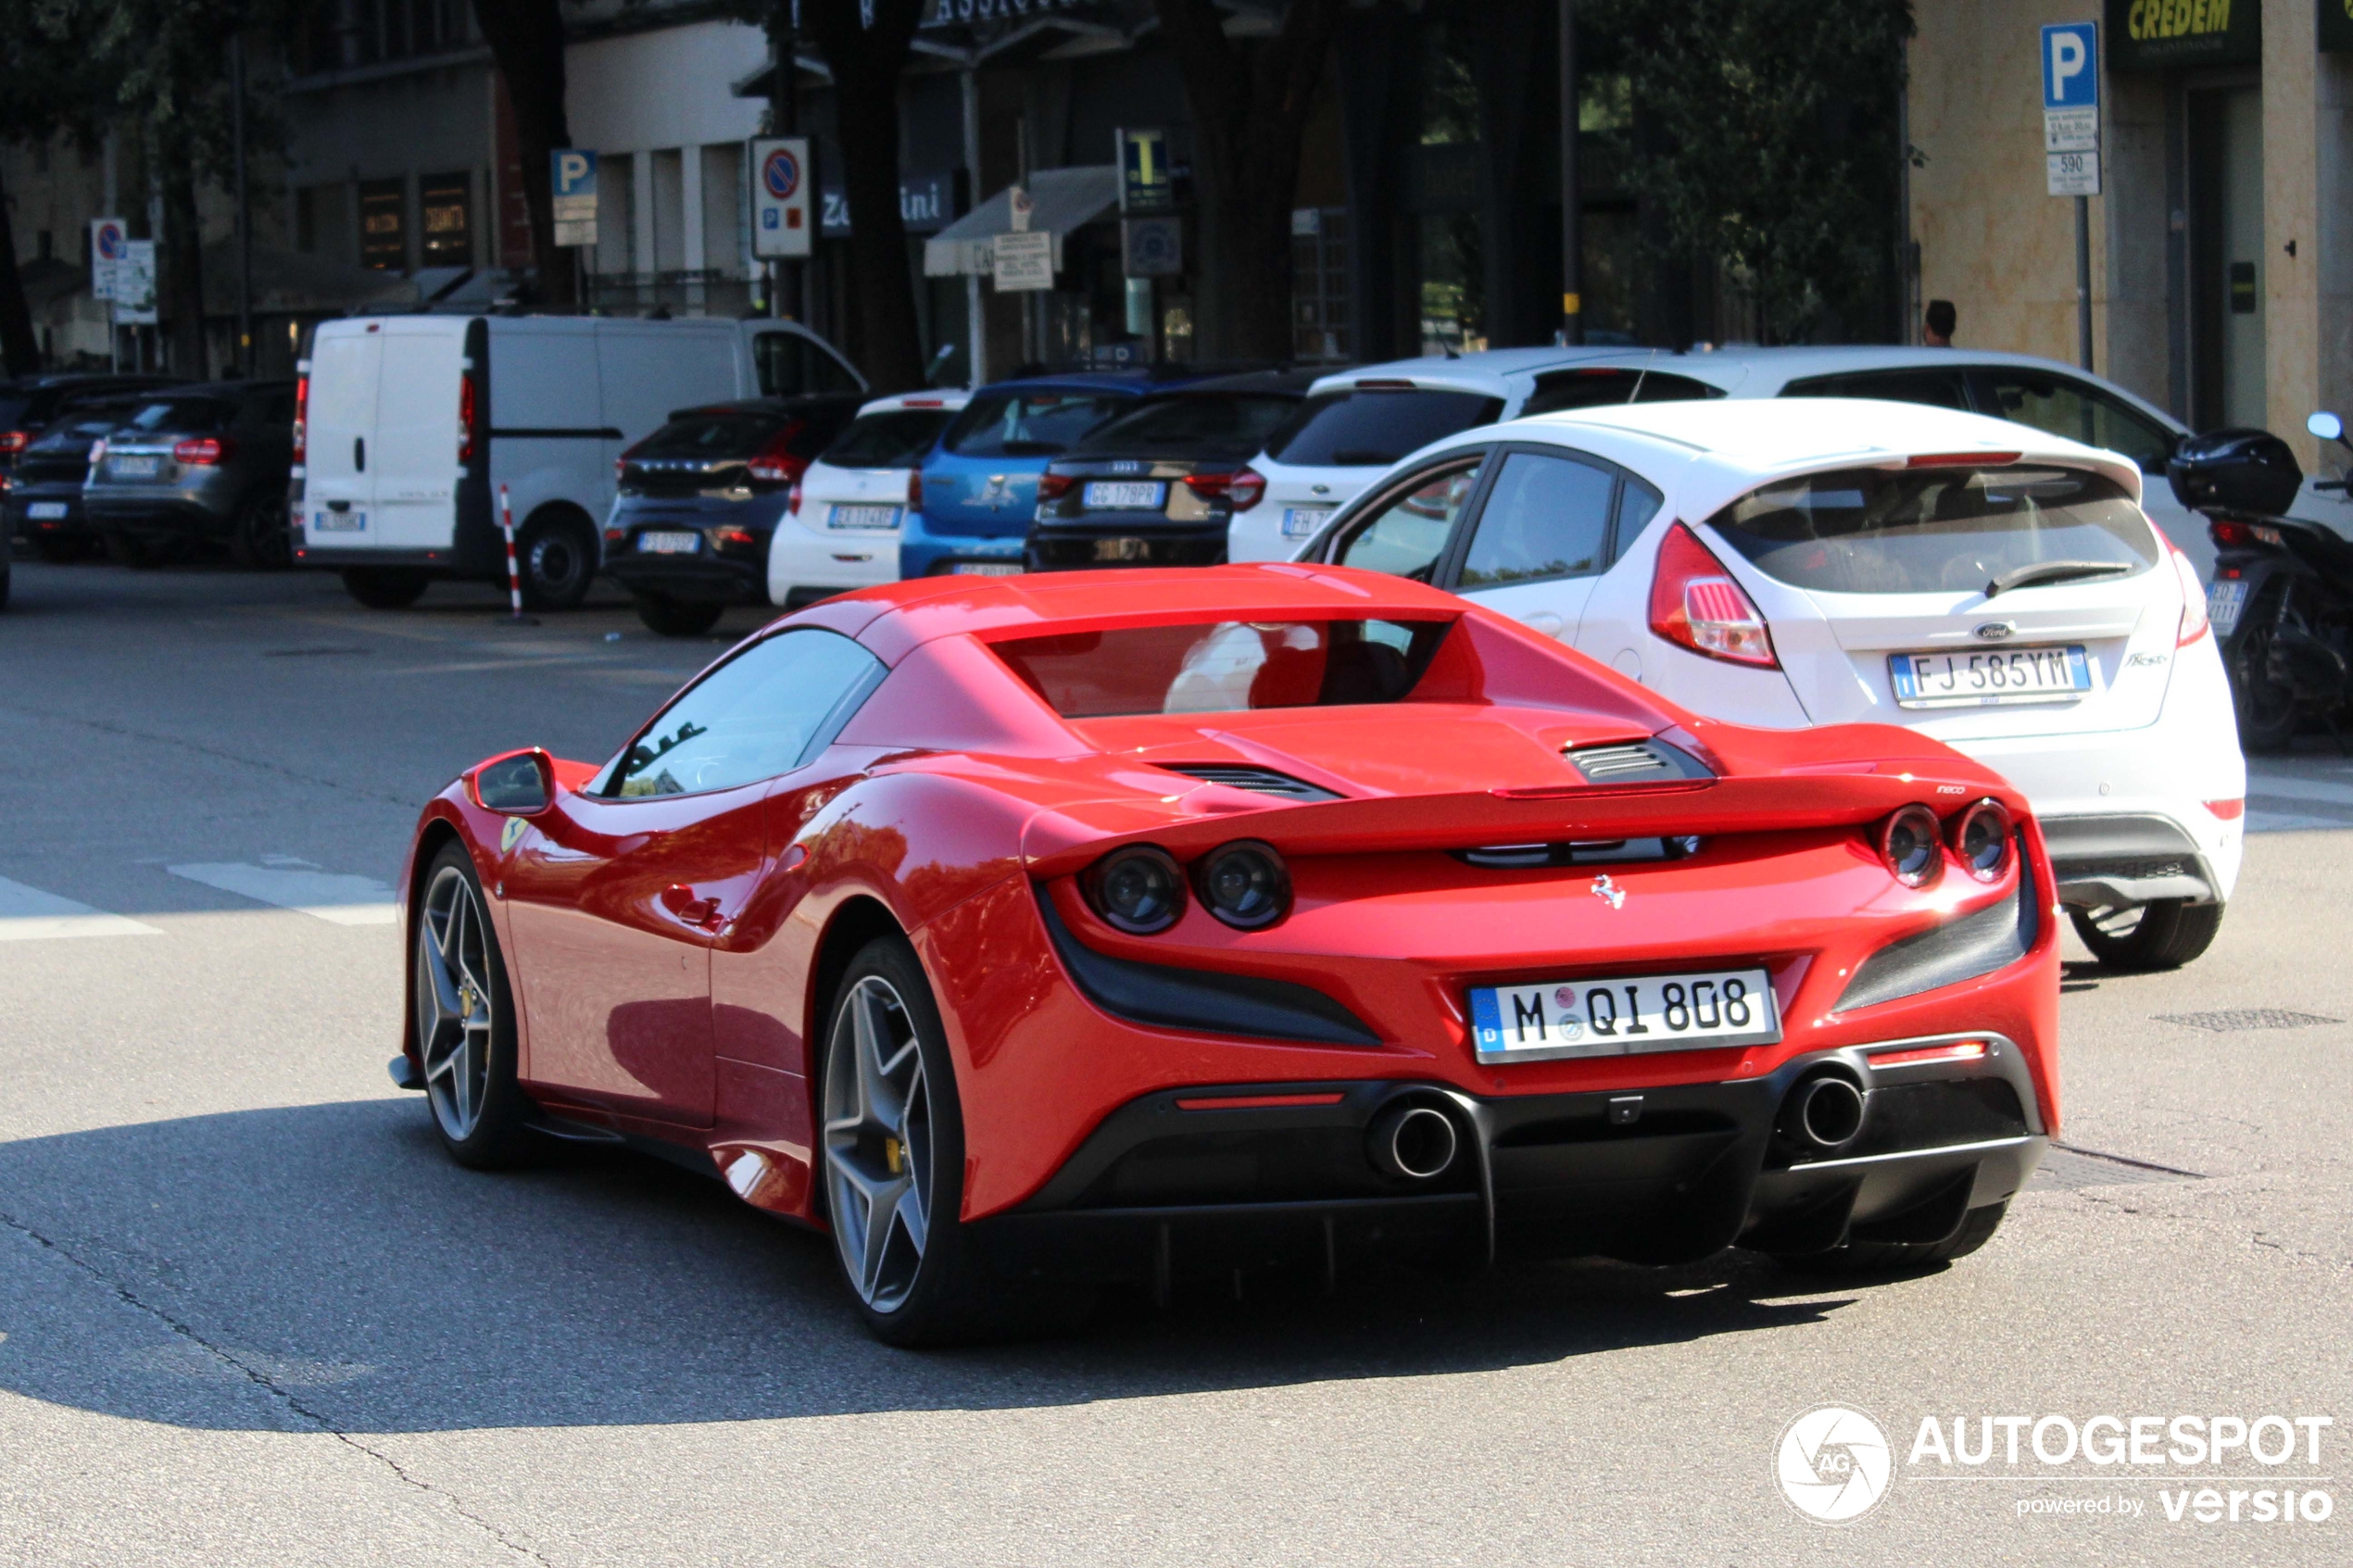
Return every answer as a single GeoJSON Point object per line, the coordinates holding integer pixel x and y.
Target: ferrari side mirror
{"type": "Point", "coordinates": [522, 783]}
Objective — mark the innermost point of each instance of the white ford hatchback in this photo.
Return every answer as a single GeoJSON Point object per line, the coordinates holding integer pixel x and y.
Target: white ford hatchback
{"type": "Point", "coordinates": [1825, 560]}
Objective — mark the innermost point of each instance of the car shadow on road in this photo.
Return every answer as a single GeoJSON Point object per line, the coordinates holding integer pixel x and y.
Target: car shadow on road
{"type": "Point", "coordinates": [325, 1265]}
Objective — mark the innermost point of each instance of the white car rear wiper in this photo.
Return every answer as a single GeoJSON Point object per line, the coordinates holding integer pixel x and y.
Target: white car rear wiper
{"type": "Point", "coordinates": [2053, 571]}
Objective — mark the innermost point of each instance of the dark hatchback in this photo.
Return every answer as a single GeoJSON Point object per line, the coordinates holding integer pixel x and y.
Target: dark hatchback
{"type": "Point", "coordinates": [699, 499]}
{"type": "Point", "coordinates": [197, 465]}
{"type": "Point", "coordinates": [1157, 485]}
{"type": "Point", "coordinates": [29, 405]}
{"type": "Point", "coordinates": [41, 495]}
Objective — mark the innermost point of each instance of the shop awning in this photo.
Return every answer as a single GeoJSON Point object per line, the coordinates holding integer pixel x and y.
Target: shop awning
{"type": "Point", "coordinates": [1062, 199]}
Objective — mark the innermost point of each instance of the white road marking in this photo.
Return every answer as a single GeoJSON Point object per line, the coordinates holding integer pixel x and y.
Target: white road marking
{"type": "Point", "coordinates": [299, 885]}
{"type": "Point", "coordinates": [27, 914]}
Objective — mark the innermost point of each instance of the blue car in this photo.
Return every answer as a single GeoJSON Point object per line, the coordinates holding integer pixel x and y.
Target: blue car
{"type": "Point", "coordinates": [980, 480]}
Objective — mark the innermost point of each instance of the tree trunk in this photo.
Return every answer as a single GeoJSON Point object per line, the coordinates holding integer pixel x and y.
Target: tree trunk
{"type": "Point", "coordinates": [526, 39]}
{"type": "Point", "coordinates": [867, 61]}
{"type": "Point", "coordinates": [1249, 101]}
{"type": "Point", "coordinates": [180, 258]}
{"type": "Point", "coordinates": [20, 349]}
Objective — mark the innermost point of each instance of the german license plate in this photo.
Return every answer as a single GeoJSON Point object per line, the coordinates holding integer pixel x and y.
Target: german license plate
{"type": "Point", "coordinates": [1662, 1013]}
{"type": "Point", "coordinates": [1989, 677]}
{"type": "Point", "coordinates": [1300, 521]}
{"type": "Point", "coordinates": [986, 568]}
{"type": "Point", "coordinates": [669, 542]}
{"type": "Point", "coordinates": [45, 512]}
{"type": "Point", "coordinates": [2225, 602]}
{"type": "Point", "coordinates": [353, 521]}
{"type": "Point", "coordinates": [1113, 496]}
{"type": "Point", "coordinates": [863, 517]}
{"type": "Point", "coordinates": [134, 468]}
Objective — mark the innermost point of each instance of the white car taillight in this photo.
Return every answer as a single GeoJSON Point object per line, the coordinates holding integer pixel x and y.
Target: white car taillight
{"type": "Point", "coordinates": [1694, 603]}
{"type": "Point", "coordinates": [2193, 621]}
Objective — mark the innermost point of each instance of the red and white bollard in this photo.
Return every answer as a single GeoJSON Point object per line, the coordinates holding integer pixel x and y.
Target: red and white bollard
{"type": "Point", "coordinates": [514, 572]}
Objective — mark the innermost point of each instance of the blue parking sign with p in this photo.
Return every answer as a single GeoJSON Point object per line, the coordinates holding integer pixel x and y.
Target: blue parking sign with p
{"type": "Point", "coordinates": [574, 170]}
{"type": "Point", "coordinates": [2071, 65]}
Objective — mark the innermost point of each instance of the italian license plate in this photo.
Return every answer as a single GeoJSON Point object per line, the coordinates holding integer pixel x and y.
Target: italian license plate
{"type": "Point", "coordinates": [134, 468]}
{"type": "Point", "coordinates": [2225, 602]}
{"type": "Point", "coordinates": [45, 512]}
{"type": "Point", "coordinates": [1300, 521]}
{"type": "Point", "coordinates": [1989, 677]}
{"type": "Point", "coordinates": [863, 517]}
{"type": "Point", "coordinates": [1112, 496]}
{"type": "Point", "coordinates": [1662, 1013]}
{"type": "Point", "coordinates": [338, 522]}
{"type": "Point", "coordinates": [667, 542]}
{"type": "Point", "coordinates": [986, 568]}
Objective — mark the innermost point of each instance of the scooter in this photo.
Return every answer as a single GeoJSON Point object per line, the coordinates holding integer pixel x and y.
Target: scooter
{"type": "Point", "coordinates": [2282, 597]}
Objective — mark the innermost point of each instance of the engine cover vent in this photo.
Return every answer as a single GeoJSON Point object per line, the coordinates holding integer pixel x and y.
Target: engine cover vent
{"type": "Point", "coordinates": [1258, 781]}
{"type": "Point", "coordinates": [1649, 761]}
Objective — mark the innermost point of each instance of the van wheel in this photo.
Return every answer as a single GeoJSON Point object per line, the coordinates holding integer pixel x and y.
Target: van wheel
{"type": "Point", "coordinates": [678, 618]}
{"type": "Point", "coordinates": [2166, 934]}
{"type": "Point", "coordinates": [385, 587]}
{"type": "Point", "coordinates": [557, 557]}
{"type": "Point", "coordinates": [259, 537]}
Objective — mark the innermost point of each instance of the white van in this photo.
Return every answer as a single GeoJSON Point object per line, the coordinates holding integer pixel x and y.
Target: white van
{"type": "Point", "coordinates": [407, 427]}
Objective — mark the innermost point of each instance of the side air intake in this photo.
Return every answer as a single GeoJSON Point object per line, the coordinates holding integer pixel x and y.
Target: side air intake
{"type": "Point", "coordinates": [1258, 781]}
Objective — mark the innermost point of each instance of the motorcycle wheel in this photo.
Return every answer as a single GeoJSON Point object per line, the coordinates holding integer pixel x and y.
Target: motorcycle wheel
{"type": "Point", "coordinates": [2268, 712]}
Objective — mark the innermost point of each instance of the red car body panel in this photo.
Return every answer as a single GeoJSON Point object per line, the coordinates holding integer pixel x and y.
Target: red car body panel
{"type": "Point", "coordinates": [666, 952]}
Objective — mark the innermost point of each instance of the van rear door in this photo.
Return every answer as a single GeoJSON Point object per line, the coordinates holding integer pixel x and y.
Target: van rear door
{"type": "Point", "coordinates": [653, 369]}
{"type": "Point", "coordinates": [415, 457]}
{"type": "Point", "coordinates": [339, 491]}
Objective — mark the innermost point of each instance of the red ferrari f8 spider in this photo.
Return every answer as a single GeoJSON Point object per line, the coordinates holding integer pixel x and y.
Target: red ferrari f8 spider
{"type": "Point", "coordinates": [1034, 933]}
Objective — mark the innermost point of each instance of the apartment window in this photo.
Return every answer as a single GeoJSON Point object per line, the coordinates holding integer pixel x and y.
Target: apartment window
{"type": "Point", "coordinates": [383, 226]}
{"type": "Point", "coordinates": [444, 202]}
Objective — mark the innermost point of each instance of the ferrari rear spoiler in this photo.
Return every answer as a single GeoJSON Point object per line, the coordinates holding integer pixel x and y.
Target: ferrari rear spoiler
{"type": "Point", "coordinates": [1061, 840]}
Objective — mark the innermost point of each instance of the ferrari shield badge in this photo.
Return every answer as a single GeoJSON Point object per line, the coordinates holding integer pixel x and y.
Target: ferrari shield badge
{"type": "Point", "coordinates": [511, 835]}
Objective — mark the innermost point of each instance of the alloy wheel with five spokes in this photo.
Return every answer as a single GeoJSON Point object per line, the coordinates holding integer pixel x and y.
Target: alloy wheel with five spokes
{"type": "Point", "coordinates": [456, 1006]}
{"type": "Point", "coordinates": [881, 1170]}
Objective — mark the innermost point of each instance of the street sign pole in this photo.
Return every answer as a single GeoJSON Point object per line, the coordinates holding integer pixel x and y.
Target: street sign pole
{"type": "Point", "coordinates": [2070, 61]}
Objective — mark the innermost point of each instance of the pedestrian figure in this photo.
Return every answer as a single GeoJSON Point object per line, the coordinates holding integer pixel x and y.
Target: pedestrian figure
{"type": "Point", "coordinates": [1937, 323]}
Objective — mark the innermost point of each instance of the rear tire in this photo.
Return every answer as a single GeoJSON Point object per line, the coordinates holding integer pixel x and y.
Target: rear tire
{"type": "Point", "coordinates": [893, 1148]}
{"type": "Point", "coordinates": [258, 539]}
{"type": "Point", "coordinates": [2268, 712]}
{"type": "Point", "coordinates": [678, 618]}
{"type": "Point", "coordinates": [1864, 1259]}
{"type": "Point", "coordinates": [385, 587]}
{"type": "Point", "coordinates": [2167, 934]}
{"type": "Point", "coordinates": [556, 556]}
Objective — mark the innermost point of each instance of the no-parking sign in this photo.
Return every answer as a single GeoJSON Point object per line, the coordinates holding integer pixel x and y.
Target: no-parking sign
{"type": "Point", "coordinates": [109, 246]}
{"type": "Point", "coordinates": [780, 183]}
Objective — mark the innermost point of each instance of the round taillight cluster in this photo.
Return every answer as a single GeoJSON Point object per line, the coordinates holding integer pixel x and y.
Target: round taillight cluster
{"type": "Point", "coordinates": [1142, 890]}
{"type": "Point", "coordinates": [1913, 842]}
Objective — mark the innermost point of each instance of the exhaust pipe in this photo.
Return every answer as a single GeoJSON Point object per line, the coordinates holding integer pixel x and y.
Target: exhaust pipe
{"type": "Point", "coordinates": [1823, 1113]}
{"type": "Point", "coordinates": [1414, 1142]}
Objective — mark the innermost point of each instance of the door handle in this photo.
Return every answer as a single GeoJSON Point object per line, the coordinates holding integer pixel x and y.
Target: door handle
{"type": "Point", "coordinates": [701, 913]}
{"type": "Point", "coordinates": [360, 454]}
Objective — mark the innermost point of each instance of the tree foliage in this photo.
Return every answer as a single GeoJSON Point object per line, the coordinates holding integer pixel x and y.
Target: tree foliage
{"type": "Point", "coordinates": [866, 44]}
{"type": "Point", "coordinates": [1770, 140]}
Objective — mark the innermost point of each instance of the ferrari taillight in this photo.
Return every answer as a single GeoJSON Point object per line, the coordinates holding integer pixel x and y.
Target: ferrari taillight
{"type": "Point", "coordinates": [1982, 840]}
{"type": "Point", "coordinates": [1695, 604]}
{"type": "Point", "coordinates": [1912, 845]}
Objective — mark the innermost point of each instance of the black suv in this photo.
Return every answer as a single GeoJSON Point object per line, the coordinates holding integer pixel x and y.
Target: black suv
{"type": "Point", "coordinates": [29, 405]}
{"type": "Point", "coordinates": [197, 464]}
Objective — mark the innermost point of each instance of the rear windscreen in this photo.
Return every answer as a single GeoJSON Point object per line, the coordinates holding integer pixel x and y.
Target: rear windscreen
{"type": "Point", "coordinates": [78, 429]}
{"type": "Point", "coordinates": [12, 408]}
{"type": "Point", "coordinates": [1226, 666]}
{"type": "Point", "coordinates": [711, 436]}
{"type": "Point", "coordinates": [1908, 531]}
{"type": "Point", "coordinates": [178, 416]}
{"type": "Point", "coordinates": [1214, 424]}
{"type": "Point", "coordinates": [895, 439]}
{"type": "Point", "coordinates": [1360, 429]}
{"type": "Point", "coordinates": [1028, 424]}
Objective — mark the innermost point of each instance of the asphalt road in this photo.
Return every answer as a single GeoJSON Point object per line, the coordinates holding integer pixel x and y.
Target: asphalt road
{"type": "Point", "coordinates": [249, 1314]}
